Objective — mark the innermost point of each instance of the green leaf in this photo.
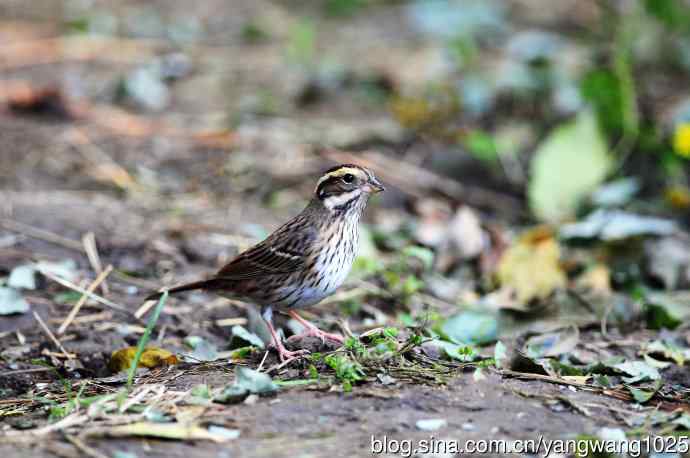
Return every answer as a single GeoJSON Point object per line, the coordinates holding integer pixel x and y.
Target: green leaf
{"type": "Point", "coordinates": [471, 327]}
{"type": "Point", "coordinates": [203, 350]}
{"type": "Point", "coordinates": [672, 12]}
{"type": "Point", "coordinates": [602, 88]}
{"type": "Point", "coordinates": [246, 381]}
{"type": "Point", "coordinates": [11, 301]}
{"type": "Point", "coordinates": [482, 146]}
{"type": "Point", "coordinates": [567, 166]}
{"type": "Point", "coordinates": [660, 316]}
{"type": "Point", "coordinates": [553, 343]}
{"type": "Point", "coordinates": [638, 371]}
{"type": "Point", "coordinates": [641, 396]}
{"type": "Point", "coordinates": [500, 355]}
{"type": "Point", "coordinates": [22, 277]}
{"type": "Point", "coordinates": [251, 338]}
{"type": "Point", "coordinates": [66, 269]}
{"type": "Point", "coordinates": [423, 254]}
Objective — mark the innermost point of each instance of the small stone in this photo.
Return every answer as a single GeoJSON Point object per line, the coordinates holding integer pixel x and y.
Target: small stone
{"type": "Point", "coordinates": [432, 424]}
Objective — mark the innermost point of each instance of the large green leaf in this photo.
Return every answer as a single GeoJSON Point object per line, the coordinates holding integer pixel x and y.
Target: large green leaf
{"type": "Point", "coordinates": [567, 167]}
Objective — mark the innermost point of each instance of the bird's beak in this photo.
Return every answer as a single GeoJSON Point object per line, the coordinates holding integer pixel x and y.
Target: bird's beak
{"type": "Point", "coordinates": [375, 186]}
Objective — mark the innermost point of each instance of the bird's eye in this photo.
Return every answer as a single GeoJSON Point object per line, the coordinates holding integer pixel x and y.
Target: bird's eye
{"type": "Point", "coordinates": [348, 178]}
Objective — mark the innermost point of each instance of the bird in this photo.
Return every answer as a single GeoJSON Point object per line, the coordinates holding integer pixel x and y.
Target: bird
{"type": "Point", "coordinates": [303, 261]}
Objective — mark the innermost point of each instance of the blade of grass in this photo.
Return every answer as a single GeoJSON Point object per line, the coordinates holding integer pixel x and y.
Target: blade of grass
{"type": "Point", "coordinates": [145, 338]}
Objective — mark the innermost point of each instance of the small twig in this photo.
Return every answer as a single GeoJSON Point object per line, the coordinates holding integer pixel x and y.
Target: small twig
{"type": "Point", "coordinates": [82, 300]}
{"type": "Point", "coordinates": [263, 360]}
{"type": "Point", "coordinates": [104, 167]}
{"type": "Point", "coordinates": [138, 282]}
{"type": "Point", "coordinates": [40, 234]}
{"type": "Point", "coordinates": [52, 337]}
{"type": "Point", "coordinates": [89, 242]}
{"type": "Point", "coordinates": [91, 295]}
{"type": "Point", "coordinates": [70, 420]}
{"type": "Point", "coordinates": [231, 321]}
{"type": "Point", "coordinates": [25, 371]}
{"type": "Point", "coordinates": [82, 447]}
{"type": "Point", "coordinates": [82, 319]}
{"type": "Point", "coordinates": [145, 307]}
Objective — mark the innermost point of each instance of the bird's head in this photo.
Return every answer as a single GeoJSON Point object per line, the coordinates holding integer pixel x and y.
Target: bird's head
{"type": "Point", "coordinates": [341, 187]}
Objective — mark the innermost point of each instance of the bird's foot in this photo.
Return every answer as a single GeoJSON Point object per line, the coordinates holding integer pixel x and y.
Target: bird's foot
{"type": "Point", "coordinates": [286, 355]}
{"type": "Point", "coordinates": [310, 330]}
{"type": "Point", "coordinates": [313, 331]}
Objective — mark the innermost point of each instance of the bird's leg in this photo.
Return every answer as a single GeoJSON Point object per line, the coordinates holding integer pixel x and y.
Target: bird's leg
{"type": "Point", "coordinates": [284, 354]}
{"type": "Point", "coordinates": [312, 330]}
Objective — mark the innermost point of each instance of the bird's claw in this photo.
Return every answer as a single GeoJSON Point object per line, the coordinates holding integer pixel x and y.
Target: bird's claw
{"type": "Point", "coordinates": [286, 355]}
{"type": "Point", "coordinates": [316, 332]}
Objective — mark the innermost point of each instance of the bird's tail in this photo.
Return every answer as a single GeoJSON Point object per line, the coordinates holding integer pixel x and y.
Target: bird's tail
{"type": "Point", "coordinates": [203, 284]}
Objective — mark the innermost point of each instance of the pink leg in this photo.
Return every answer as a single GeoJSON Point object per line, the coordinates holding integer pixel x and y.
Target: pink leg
{"type": "Point", "coordinates": [284, 354]}
{"type": "Point", "coordinates": [312, 330]}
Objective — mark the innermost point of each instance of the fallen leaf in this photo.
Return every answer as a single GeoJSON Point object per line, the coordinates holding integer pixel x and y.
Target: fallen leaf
{"type": "Point", "coordinates": [464, 239]}
{"type": "Point", "coordinates": [553, 343]}
{"type": "Point", "coordinates": [643, 395]}
{"type": "Point", "coordinates": [247, 381]}
{"type": "Point", "coordinates": [66, 269]}
{"type": "Point", "coordinates": [202, 350]}
{"type": "Point", "coordinates": [566, 167]}
{"type": "Point", "coordinates": [152, 357]}
{"type": "Point", "coordinates": [471, 327]}
{"type": "Point", "coordinates": [678, 197]}
{"type": "Point", "coordinates": [668, 260]}
{"type": "Point", "coordinates": [22, 277]}
{"type": "Point", "coordinates": [11, 301]}
{"type": "Point", "coordinates": [616, 193]}
{"type": "Point", "coordinates": [610, 225]}
{"type": "Point", "coordinates": [579, 379]}
{"type": "Point", "coordinates": [667, 310]}
{"type": "Point", "coordinates": [252, 339]}
{"type": "Point", "coordinates": [638, 371]}
{"type": "Point", "coordinates": [462, 353]}
{"type": "Point", "coordinates": [531, 266]}
{"type": "Point", "coordinates": [178, 431]}
{"type": "Point", "coordinates": [596, 279]}
{"type": "Point", "coordinates": [500, 355]}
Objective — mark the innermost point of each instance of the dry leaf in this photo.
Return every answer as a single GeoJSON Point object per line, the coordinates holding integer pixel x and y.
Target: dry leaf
{"type": "Point", "coordinates": [531, 266]}
{"type": "Point", "coordinates": [179, 431]}
{"type": "Point", "coordinates": [152, 357]}
{"type": "Point", "coordinates": [597, 280]}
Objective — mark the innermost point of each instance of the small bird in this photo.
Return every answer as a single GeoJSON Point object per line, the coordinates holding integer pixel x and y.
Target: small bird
{"type": "Point", "coordinates": [305, 260]}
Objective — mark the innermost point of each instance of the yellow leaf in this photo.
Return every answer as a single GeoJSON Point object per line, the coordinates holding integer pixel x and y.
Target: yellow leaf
{"type": "Point", "coordinates": [681, 140]}
{"type": "Point", "coordinates": [152, 357]}
{"type": "Point", "coordinates": [678, 197]}
{"type": "Point", "coordinates": [180, 431]}
{"type": "Point", "coordinates": [596, 279]}
{"type": "Point", "coordinates": [531, 266]}
{"type": "Point", "coordinates": [579, 379]}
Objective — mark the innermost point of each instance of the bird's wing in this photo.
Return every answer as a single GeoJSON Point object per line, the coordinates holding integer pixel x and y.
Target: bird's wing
{"type": "Point", "coordinates": [275, 255]}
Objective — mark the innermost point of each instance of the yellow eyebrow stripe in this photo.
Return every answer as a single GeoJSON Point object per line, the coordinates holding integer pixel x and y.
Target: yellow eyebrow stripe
{"type": "Point", "coordinates": [338, 173]}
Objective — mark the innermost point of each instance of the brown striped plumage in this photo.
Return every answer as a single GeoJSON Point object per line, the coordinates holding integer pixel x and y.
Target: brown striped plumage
{"type": "Point", "coordinates": [304, 260]}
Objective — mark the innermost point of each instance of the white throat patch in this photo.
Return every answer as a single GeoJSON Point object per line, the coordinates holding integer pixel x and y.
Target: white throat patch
{"type": "Point", "coordinates": [336, 201]}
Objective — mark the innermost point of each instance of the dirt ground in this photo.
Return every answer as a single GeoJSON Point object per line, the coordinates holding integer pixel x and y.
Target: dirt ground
{"type": "Point", "coordinates": [316, 423]}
